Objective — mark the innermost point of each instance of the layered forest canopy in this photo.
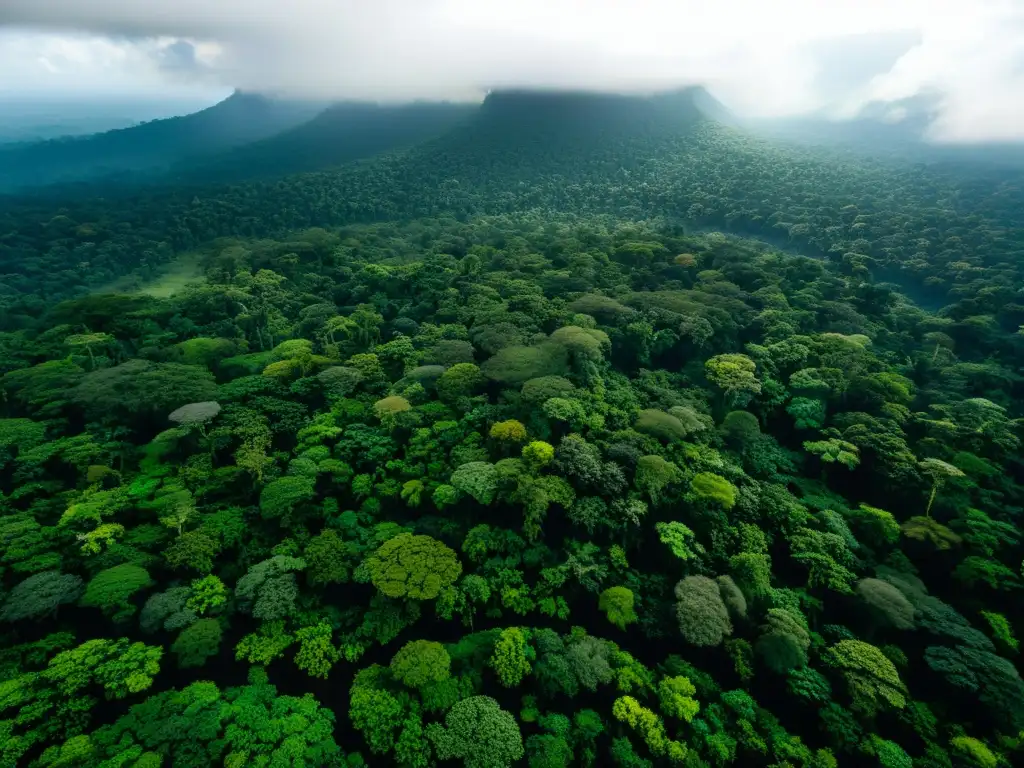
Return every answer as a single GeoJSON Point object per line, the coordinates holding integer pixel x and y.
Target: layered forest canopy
{"type": "Point", "coordinates": [589, 432]}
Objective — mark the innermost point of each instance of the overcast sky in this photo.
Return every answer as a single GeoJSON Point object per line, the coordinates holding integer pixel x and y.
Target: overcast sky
{"type": "Point", "coordinates": [774, 58]}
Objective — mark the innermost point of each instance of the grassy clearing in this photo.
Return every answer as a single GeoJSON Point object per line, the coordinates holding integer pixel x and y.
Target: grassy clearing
{"type": "Point", "coordinates": [172, 278]}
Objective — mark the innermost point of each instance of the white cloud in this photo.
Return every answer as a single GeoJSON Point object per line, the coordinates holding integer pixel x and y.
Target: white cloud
{"type": "Point", "coordinates": [760, 58]}
{"type": "Point", "coordinates": [61, 65]}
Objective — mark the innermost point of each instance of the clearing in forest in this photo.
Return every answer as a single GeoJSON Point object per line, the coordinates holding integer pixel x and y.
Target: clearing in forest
{"type": "Point", "coordinates": [170, 279]}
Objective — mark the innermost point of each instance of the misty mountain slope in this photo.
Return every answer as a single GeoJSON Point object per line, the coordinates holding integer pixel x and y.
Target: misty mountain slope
{"type": "Point", "coordinates": [43, 118]}
{"type": "Point", "coordinates": [239, 119]}
{"type": "Point", "coordinates": [567, 132]}
{"type": "Point", "coordinates": [339, 134]}
{"type": "Point", "coordinates": [897, 130]}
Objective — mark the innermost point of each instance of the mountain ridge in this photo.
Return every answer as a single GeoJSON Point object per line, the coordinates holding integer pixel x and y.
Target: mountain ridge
{"type": "Point", "coordinates": [564, 121]}
{"type": "Point", "coordinates": [341, 133]}
{"type": "Point", "coordinates": [239, 119]}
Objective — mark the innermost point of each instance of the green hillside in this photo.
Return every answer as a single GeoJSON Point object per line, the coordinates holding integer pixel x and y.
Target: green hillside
{"type": "Point", "coordinates": [152, 146]}
{"type": "Point", "coordinates": [340, 134]}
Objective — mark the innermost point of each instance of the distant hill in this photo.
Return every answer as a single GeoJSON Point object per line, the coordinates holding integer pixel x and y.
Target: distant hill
{"type": "Point", "coordinates": [239, 119]}
{"type": "Point", "coordinates": [340, 134]}
{"type": "Point", "coordinates": [507, 119]}
{"type": "Point", "coordinates": [519, 133]}
{"type": "Point", "coordinates": [898, 129]}
{"type": "Point", "coordinates": [572, 114]}
{"type": "Point", "coordinates": [28, 119]}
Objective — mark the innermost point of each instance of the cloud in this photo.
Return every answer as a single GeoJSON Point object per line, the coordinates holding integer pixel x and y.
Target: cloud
{"type": "Point", "coordinates": [76, 66]}
{"type": "Point", "coordinates": [778, 58]}
{"type": "Point", "coordinates": [180, 57]}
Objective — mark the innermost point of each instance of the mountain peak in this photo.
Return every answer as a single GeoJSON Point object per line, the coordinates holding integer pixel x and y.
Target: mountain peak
{"type": "Point", "coordinates": [678, 107]}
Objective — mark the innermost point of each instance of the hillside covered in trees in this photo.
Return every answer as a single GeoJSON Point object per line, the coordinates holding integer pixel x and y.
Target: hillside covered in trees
{"type": "Point", "coordinates": [592, 431]}
{"type": "Point", "coordinates": [150, 147]}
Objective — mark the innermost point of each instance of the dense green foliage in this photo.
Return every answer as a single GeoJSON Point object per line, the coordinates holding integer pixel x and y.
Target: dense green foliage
{"type": "Point", "coordinates": [521, 476]}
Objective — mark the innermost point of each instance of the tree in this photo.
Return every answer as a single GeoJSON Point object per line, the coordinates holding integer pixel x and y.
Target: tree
{"type": "Point", "coordinates": [202, 725]}
{"type": "Point", "coordinates": [41, 595]}
{"type": "Point", "coordinates": [880, 526]}
{"type": "Point", "coordinates": [208, 594]}
{"type": "Point", "coordinates": [547, 750]}
{"type": "Point", "coordinates": [26, 546]}
{"type": "Point", "coordinates": [807, 413]}
{"type": "Point", "coordinates": [681, 541]}
{"type": "Point", "coordinates": [825, 555]}
{"type": "Point", "coordinates": [461, 380]}
{"type": "Point", "coordinates": [544, 388]}
{"type": "Point", "coordinates": [168, 610]}
{"type": "Point", "coordinates": [20, 434]}
{"type": "Point", "coordinates": [740, 429]}
{"type": "Point", "coordinates": [625, 756]}
{"type": "Point", "coordinates": [994, 680]}
{"type": "Point", "coordinates": [580, 461]}
{"type": "Point", "coordinates": [833, 450]}
{"type": "Point", "coordinates": [1001, 630]}
{"type": "Point", "coordinates": [119, 667]}
{"type": "Point", "coordinates": [975, 753]}
{"type": "Point", "coordinates": [784, 641]}
{"type": "Point", "coordinates": [871, 678]}
{"type": "Point", "coordinates": [193, 549]}
{"type": "Point", "coordinates": [654, 474]}
{"type": "Point", "coordinates": [703, 617]}
{"type": "Point", "coordinates": [111, 590]}
{"type": "Point", "coordinates": [733, 597]}
{"type": "Point", "coordinates": [510, 431]}
{"type": "Point", "coordinates": [617, 604]}
{"type": "Point", "coordinates": [281, 497]}
{"type": "Point", "coordinates": [44, 389]}
{"type": "Point", "coordinates": [195, 415]}
{"type": "Point", "coordinates": [141, 387]}
{"type": "Point", "coordinates": [477, 479]}
{"type": "Point", "coordinates": [886, 603]}
{"type": "Point", "coordinates": [421, 662]}
{"type": "Point", "coordinates": [752, 570]}
{"type": "Point", "coordinates": [713, 489]}
{"type": "Point", "coordinates": [390, 409]}
{"type": "Point", "coordinates": [661, 425]}
{"type": "Point", "coordinates": [374, 710]}
{"type": "Point", "coordinates": [515, 365]}
{"type": "Point", "coordinates": [582, 344]}
{"type": "Point", "coordinates": [88, 341]}
{"type": "Point", "coordinates": [268, 590]}
{"type": "Point", "coordinates": [412, 566]}
{"type": "Point", "coordinates": [675, 697]}
{"type": "Point", "coordinates": [889, 753]}
{"type": "Point", "coordinates": [478, 732]}
{"type": "Point", "coordinates": [511, 657]}
{"type": "Point", "coordinates": [938, 472]}
{"type": "Point", "coordinates": [809, 684]}
{"type": "Point", "coordinates": [538, 454]}
{"type": "Point", "coordinates": [316, 653]}
{"type": "Point", "coordinates": [928, 529]}
{"type": "Point", "coordinates": [734, 374]}
{"type": "Point", "coordinates": [328, 558]}
{"type": "Point", "coordinates": [197, 643]}
{"type": "Point", "coordinates": [339, 381]}
{"type": "Point", "coordinates": [262, 647]}
{"type": "Point", "coordinates": [650, 728]}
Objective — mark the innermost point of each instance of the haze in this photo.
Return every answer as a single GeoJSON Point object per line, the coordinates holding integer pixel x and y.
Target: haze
{"type": "Point", "coordinates": [783, 58]}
